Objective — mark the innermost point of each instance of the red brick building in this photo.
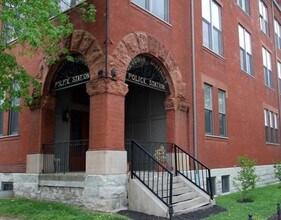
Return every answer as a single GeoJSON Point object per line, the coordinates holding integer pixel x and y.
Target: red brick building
{"type": "Point", "coordinates": [204, 75]}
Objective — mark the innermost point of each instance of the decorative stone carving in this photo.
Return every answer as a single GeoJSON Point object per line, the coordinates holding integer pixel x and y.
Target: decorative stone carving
{"type": "Point", "coordinates": [86, 42]}
{"type": "Point", "coordinates": [44, 101]}
{"type": "Point", "coordinates": [131, 44]}
{"type": "Point", "coordinates": [77, 36]}
{"type": "Point", "coordinates": [162, 52]}
{"type": "Point", "coordinates": [153, 45]}
{"type": "Point", "coordinates": [170, 63]}
{"type": "Point", "coordinates": [143, 42]}
{"type": "Point", "coordinates": [107, 85]}
{"type": "Point", "coordinates": [176, 104]}
{"type": "Point", "coordinates": [121, 54]}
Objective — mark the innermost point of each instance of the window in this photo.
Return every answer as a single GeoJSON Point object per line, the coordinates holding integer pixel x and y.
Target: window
{"type": "Point", "coordinates": [277, 29]}
{"type": "Point", "coordinates": [14, 115]}
{"type": "Point", "coordinates": [279, 76]}
{"type": "Point", "coordinates": [67, 4]}
{"type": "Point", "coordinates": [225, 184]}
{"type": "Point", "coordinates": [245, 44]}
{"type": "Point", "coordinates": [222, 113]}
{"type": "Point", "coordinates": [208, 96]}
{"type": "Point", "coordinates": [212, 31]}
{"type": "Point", "coordinates": [271, 126]}
{"type": "Point", "coordinates": [267, 69]}
{"type": "Point", "coordinates": [244, 4]}
{"type": "Point", "coordinates": [263, 17]}
{"type": "Point", "coordinates": [159, 8]}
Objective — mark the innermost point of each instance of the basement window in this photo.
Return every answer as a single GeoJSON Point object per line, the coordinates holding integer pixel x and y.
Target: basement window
{"type": "Point", "coordinates": [225, 184]}
{"type": "Point", "coordinates": [7, 186]}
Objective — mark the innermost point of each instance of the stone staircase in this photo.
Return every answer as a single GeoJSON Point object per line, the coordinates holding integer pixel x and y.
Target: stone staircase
{"type": "Point", "coordinates": [186, 198]}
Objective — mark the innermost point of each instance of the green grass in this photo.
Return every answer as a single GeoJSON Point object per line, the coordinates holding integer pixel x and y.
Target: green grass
{"type": "Point", "coordinates": [33, 209]}
{"type": "Point", "coordinates": [264, 205]}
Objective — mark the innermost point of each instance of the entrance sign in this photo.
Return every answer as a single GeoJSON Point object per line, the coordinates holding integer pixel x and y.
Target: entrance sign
{"type": "Point", "coordinates": [144, 71]}
{"type": "Point", "coordinates": [72, 74]}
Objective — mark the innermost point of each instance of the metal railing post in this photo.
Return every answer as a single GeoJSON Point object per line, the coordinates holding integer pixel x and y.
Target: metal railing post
{"type": "Point", "coordinates": [132, 159]}
{"type": "Point", "coordinates": [171, 211]}
{"type": "Point", "coordinates": [210, 184]}
{"type": "Point", "coordinates": [176, 160]}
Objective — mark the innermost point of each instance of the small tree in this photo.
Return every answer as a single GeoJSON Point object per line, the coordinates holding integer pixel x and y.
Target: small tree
{"type": "Point", "coordinates": [277, 172]}
{"type": "Point", "coordinates": [246, 179]}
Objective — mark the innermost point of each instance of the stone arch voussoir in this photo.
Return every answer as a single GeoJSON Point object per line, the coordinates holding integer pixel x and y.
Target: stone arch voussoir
{"type": "Point", "coordinates": [138, 43]}
{"type": "Point", "coordinates": [82, 42]}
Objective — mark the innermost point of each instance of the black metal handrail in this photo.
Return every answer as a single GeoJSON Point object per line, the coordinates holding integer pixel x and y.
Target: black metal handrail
{"type": "Point", "coordinates": [152, 173]}
{"type": "Point", "coordinates": [193, 170]}
{"type": "Point", "coordinates": [65, 156]}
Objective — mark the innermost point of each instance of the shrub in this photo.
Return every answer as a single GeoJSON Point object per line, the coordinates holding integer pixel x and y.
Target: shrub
{"type": "Point", "coordinates": [246, 179]}
{"type": "Point", "coordinates": [277, 171]}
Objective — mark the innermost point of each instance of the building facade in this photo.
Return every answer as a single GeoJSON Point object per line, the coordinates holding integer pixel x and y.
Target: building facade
{"type": "Point", "coordinates": [204, 75]}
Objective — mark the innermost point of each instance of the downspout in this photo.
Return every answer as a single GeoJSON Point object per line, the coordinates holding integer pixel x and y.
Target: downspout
{"type": "Point", "coordinates": [275, 4]}
{"type": "Point", "coordinates": [106, 37]}
{"type": "Point", "coordinates": [194, 82]}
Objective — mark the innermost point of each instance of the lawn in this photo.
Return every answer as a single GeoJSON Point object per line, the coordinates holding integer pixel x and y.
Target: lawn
{"type": "Point", "coordinates": [264, 205]}
{"type": "Point", "coordinates": [32, 209]}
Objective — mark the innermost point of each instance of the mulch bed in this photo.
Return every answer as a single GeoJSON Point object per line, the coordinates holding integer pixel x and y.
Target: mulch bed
{"type": "Point", "coordinates": [203, 213]}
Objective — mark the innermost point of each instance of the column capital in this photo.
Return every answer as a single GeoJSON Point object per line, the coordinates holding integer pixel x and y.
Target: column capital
{"type": "Point", "coordinates": [44, 101]}
{"type": "Point", "coordinates": [176, 104]}
{"type": "Point", "coordinates": [107, 85]}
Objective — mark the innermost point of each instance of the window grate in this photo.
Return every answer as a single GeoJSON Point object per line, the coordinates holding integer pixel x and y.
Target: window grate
{"type": "Point", "coordinates": [7, 186]}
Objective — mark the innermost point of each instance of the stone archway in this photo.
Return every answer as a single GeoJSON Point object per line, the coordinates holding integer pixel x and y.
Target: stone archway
{"type": "Point", "coordinates": [43, 108]}
{"type": "Point", "coordinates": [142, 43]}
{"type": "Point", "coordinates": [81, 42]}
{"type": "Point", "coordinates": [176, 105]}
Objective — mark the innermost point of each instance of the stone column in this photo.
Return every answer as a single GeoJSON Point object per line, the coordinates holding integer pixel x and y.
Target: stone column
{"type": "Point", "coordinates": [42, 123]}
{"type": "Point", "coordinates": [106, 154]}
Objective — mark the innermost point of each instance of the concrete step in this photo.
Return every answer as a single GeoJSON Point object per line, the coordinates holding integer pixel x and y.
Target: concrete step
{"type": "Point", "coordinates": [188, 205]}
{"type": "Point", "coordinates": [178, 191]}
{"type": "Point", "coordinates": [199, 206]}
{"type": "Point", "coordinates": [184, 197]}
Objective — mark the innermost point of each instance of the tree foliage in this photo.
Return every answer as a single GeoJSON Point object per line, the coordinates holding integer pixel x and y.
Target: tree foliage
{"type": "Point", "coordinates": [36, 26]}
{"type": "Point", "coordinates": [246, 179]}
{"type": "Point", "coordinates": [277, 171]}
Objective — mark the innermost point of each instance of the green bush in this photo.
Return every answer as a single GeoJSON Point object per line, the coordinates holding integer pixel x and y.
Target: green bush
{"type": "Point", "coordinates": [246, 179]}
{"type": "Point", "coordinates": [277, 171]}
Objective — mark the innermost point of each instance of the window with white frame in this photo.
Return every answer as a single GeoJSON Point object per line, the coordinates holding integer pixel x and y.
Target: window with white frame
{"type": "Point", "coordinates": [245, 44]}
{"type": "Point", "coordinates": [279, 75]}
{"type": "Point", "coordinates": [271, 126]}
{"type": "Point", "coordinates": [208, 105]}
{"type": "Point", "coordinates": [212, 28]}
{"type": "Point", "coordinates": [263, 17]}
{"type": "Point", "coordinates": [277, 30]}
{"type": "Point", "coordinates": [244, 5]}
{"type": "Point", "coordinates": [14, 114]}
{"type": "Point", "coordinates": [267, 68]}
{"type": "Point", "coordinates": [159, 8]}
{"type": "Point", "coordinates": [222, 113]}
{"type": "Point", "coordinates": [67, 4]}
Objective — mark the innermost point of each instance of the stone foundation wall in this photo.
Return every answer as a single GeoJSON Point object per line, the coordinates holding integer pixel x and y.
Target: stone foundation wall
{"type": "Point", "coordinates": [265, 173]}
{"type": "Point", "coordinates": [103, 192]}
{"type": "Point", "coordinates": [97, 192]}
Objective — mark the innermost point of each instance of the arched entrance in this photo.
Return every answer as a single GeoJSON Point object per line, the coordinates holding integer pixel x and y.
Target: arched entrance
{"type": "Point", "coordinates": [71, 116]}
{"type": "Point", "coordinates": [145, 114]}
